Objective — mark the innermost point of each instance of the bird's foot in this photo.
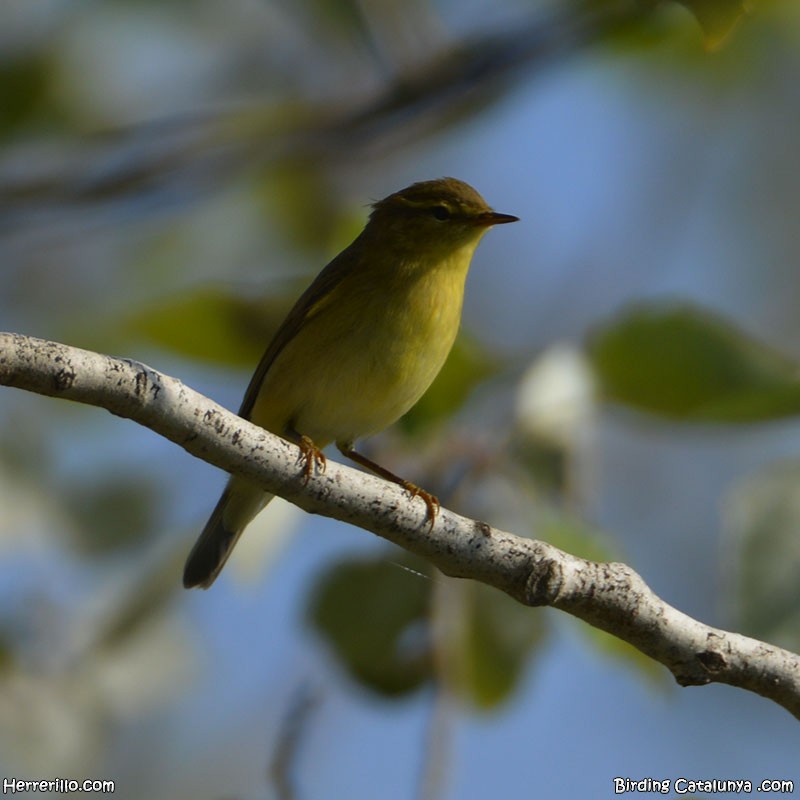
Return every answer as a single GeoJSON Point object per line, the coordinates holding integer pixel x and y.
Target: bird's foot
{"type": "Point", "coordinates": [312, 458]}
{"type": "Point", "coordinates": [431, 500]}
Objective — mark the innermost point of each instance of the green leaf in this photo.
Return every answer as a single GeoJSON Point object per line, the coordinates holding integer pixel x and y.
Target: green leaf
{"type": "Point", "coordinates": [624, 653]}
{"type": "Point", "coordinates": [344, 16]}
{"type": "Point", "coordinates": [683, 362]}
{"type": "Point", "coordinates": [211, 325]}
{"type": "Point", "coordinates": [762, 517]}
{"type": "Point", "coordinates": [576, 537]}
{"type": "Point", "coordinates": [113, 512]}
{"type": "Point", "coordinates": [717, 18]}
{"type": "Point", "coordinates": [299, 200]}
{"type": "Point", "coordinates": [374, 613]}
{"type": "Point", "coordinates": [500, 637]}
{"type": "Point", "coordinates": [24, 83]}
{"type": "Point", "coordinates": [376, 616]}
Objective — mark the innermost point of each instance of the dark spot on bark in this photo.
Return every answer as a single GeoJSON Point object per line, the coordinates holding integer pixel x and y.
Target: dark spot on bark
{"type": "Point", "coordinates": [712, 661]}
{"type": "Point", "coordinates": [212, 418]}
{"type": "Point", "coordinates": [544, 583]}
{"type": "Point", "coordinates": [64, 379]}
{"type": "Point", "coordinates": [691, 679]}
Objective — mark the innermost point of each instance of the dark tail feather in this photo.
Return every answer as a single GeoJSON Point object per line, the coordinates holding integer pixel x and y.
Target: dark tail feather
{"type": "Point", "coordinates": [239, 503]}
{"type": "Point", "coordinates": [211, 550]}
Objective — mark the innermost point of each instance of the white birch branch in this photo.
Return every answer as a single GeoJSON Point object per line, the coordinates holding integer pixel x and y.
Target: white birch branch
{"type": "Point", "coordinates": [609, 596]}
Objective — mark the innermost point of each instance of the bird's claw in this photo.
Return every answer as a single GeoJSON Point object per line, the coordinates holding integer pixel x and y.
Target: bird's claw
{"type": "Point", "coordinates": [431, 500]}
{"type": "Point", "coordinates": [312, 458]}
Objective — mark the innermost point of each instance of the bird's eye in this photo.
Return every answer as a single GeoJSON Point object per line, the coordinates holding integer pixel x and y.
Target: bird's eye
{"type": "Point", "coordinates": [441, 212]}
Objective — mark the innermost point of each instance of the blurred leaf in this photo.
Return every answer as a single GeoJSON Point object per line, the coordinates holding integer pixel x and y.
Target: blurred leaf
{"type": "Point", "coordinates": [466, 366]}
{"type": "Point", "coordinates": [113, 512]}
{"type": "Point", "coordinates": [574, 536]}
{"type": "Point", "coordinates": [374, 613]}
{"type": "Point", "coordinates": [717, 18]}
{"type": "Point", "coordinates": [7, 652]}
{"type": "Point", "coordinates": [683, 362]}
{"type": "Point", "coordinates": [762, 518]}
{"type": "Point", "coordinates": [501, 635]}
{"type": "Point", "coordinates": [612, 646]}
{"type": "Point", "coordinates": [24, 82]}
{"type": "Point", "coordinates": [299, 200]}
{"type": "Point", "coordinates": [212, 326]}
{"type": "Point", "coordinates": [548, 463]}
{"type": "Point", "coordinates": [346, 16]}
{"type": "Point", "coordinates": [376, 616]}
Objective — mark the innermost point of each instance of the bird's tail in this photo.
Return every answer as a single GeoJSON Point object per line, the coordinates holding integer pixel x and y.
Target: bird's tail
{"type": "Point", "coordinates": [240, 502]}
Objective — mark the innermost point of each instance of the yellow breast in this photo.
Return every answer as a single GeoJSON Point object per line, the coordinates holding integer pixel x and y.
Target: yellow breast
{"type": "Point", "coordinates": [368, 355]}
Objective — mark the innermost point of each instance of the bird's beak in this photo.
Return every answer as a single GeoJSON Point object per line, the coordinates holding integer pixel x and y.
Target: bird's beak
{"type": "Point", "coordinates": [489, 218]}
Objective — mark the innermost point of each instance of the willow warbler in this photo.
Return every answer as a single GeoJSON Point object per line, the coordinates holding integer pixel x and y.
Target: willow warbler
{"type": "Point", "coordinates": [360, 346]}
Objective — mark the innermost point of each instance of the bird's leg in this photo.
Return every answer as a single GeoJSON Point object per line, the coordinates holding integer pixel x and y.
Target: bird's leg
{"type": "Point", "coordinates": [311, 456]}
{"type": "Point", "coordinates": [431, 501]}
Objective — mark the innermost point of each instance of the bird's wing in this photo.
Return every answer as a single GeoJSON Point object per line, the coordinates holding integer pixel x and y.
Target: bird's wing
{"type": "Point", "coordinates": [316, 298]}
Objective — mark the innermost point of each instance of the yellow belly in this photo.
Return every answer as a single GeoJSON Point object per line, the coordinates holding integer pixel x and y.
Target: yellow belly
{"type": "Point", "coordinates": [348, 375]}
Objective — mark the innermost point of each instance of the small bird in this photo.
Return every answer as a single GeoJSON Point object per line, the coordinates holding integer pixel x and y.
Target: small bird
{"type": "Point", "coordinates": [360, 347]}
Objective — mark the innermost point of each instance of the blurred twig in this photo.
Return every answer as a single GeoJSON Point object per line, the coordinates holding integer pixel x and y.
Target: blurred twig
{"type": "Point", "coordinates": [292, 732]}
{"type": "Point", "coordinates": [202, 149]}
